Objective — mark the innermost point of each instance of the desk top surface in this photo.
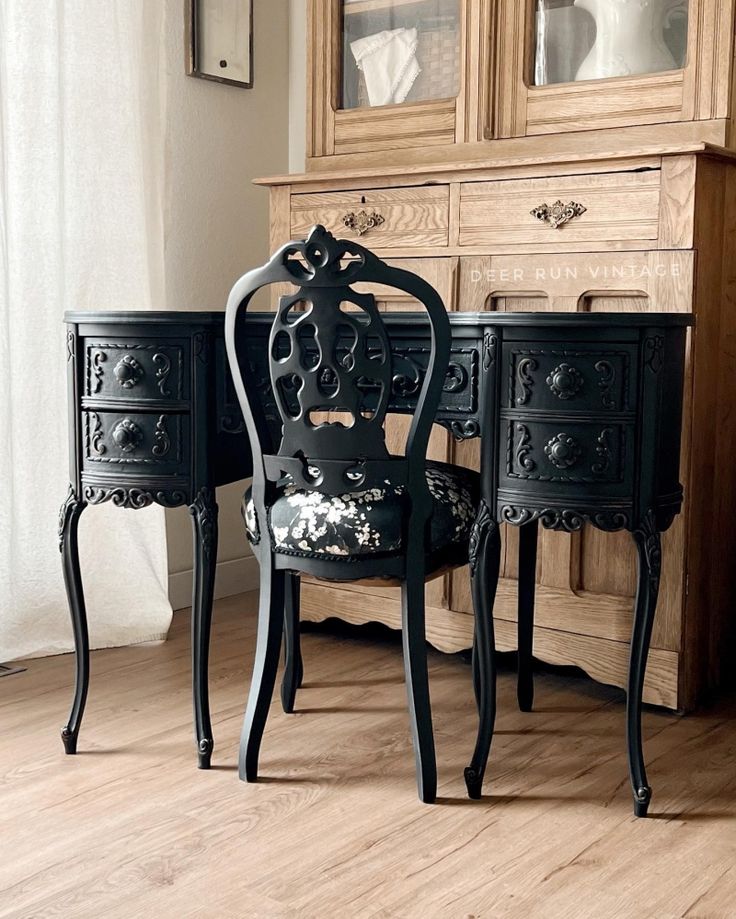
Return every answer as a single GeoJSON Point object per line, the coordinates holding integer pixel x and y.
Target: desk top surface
{"type": "Point", "coordinates": [546, 319]}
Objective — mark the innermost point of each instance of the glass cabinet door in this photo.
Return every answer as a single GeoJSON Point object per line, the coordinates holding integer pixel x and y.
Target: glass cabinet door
{"type": "Point", "coordinates": [396, 51]}
{"type": "Point", "coordinates": [597, 39]}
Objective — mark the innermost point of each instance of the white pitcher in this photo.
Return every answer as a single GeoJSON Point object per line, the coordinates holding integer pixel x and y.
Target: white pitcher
{"type": "Point", "coordinates": [630, 37]}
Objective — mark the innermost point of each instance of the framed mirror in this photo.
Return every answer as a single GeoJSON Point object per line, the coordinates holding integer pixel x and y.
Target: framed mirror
{"type": "Point", "coordinates": [220, 41]}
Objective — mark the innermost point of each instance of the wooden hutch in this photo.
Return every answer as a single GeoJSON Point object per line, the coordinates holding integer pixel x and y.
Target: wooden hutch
{"type": "Point", "coordinates": [511, 182]}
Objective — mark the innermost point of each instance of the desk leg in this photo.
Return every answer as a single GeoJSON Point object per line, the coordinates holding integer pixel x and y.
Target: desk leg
{"type": "Point", "coordinates": [528, 538]}
{"type": "Point", "coordinates": [204, 522]}
{"type": "Point", "coordinates": [649, 549]}
{"type": "Point", "coordinates": [71, 511]}
{"type": "Point", "coordinates": [485, 563]}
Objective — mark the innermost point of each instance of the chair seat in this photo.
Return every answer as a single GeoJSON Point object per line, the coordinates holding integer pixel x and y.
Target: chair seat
{"type": "Point", "coordinates": [367, 523]}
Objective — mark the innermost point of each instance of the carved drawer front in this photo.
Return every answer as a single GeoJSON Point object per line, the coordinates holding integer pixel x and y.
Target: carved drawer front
{"type": "Point", "coordinates": [549, 378]}
{"type": "Point", "coordinates": [383, 219]}
{"type": "Point", "coordinates": [611, 210]}
{"type": "Point", "coordinates": [562, 454]}
{"type": "Point", "coordinates": [136, 370]}
{"type": "Point", "coordinates": [142, 442]}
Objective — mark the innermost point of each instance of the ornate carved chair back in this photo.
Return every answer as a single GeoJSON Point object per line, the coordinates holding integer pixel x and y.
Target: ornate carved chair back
{"type": "Point", "coordinates": [331, 373]}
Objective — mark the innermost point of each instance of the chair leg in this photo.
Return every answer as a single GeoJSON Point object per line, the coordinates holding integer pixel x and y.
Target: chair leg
{"type": "Point", "coordinates": [294, 668]}
{"type": "Point", "coordinates": [417, 683]}
{"type": "Point", "coordinates": [265, 666]}
{"type": "Point", "coordinates": [485, 565]}
{"type": "Point", "coordinates": [649, 549]}
{"type": "Point", "coordinates": [528, 537]}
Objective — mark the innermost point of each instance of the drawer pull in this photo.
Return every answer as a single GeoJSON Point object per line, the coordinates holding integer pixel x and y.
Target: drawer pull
{"type": "Point", "coordinates": [559, 214]}
{"type": "Point", "coordinates": [565, 381]}
{"type": "Point", "coordinates": [128, 371]}
{"type": "Point", "coordinates": [363, 221]}
{"type": "Point", "coordinates": [563, 451]}
{"type": "Point", "coordinates": [127, 435]}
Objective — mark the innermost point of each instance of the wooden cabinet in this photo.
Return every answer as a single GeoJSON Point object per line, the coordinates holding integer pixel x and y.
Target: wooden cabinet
{"type": "Point", "coordinates": [495, 69]}
{"type": "Point", "coordinates": [504, 198]}
{"type": "Point", "coordinates": [696, 86]}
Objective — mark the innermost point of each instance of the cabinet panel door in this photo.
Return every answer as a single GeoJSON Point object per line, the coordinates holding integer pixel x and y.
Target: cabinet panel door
{"type": "Point", "coordinates": [573, 65]}
{"type": "Point", "coordinates": [585, 581]}
{"type": "Point", "coordinates": [393, 74]}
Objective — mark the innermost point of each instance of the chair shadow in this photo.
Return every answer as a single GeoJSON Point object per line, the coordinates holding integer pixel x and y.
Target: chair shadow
{"type": "Point", "coordinates": [349, 684]}
{"type": "Point", "coordinates": [341, 710]}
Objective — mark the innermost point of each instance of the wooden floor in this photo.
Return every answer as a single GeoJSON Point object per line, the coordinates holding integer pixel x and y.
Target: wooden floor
{"type": "Point", "coordinates": [130, 828]}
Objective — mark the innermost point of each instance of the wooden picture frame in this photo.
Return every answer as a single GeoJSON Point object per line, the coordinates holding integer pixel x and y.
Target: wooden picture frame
{"type": "Point", "coordinates": [219, 40]}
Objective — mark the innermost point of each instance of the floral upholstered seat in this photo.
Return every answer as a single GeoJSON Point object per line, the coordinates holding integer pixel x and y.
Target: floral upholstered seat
{"type": "Point", "coordinates": [366, 523]}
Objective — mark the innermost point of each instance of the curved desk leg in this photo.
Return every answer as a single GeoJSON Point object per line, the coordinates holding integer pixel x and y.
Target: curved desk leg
{"type": "Point", "coordinates": [528, 538]}
{"type": "Point", "coordinates": [485, 562]}
{"type": "Point", "coordinates": [71, 511]}
{"type": "Point", "coordinates": [649, 549]}
{"type": "Point", "coordinates": [475, 665]}
{"type": "Point", "coordinates": [294, 668]}
{"type": "Point", "coordinates": [204, 523]}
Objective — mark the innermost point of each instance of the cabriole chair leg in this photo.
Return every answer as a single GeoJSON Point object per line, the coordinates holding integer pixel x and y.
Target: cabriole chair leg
{"type": "Point", "coordinates": [265, 666]}
{"type": "Point", "coordinates": [417, 684]}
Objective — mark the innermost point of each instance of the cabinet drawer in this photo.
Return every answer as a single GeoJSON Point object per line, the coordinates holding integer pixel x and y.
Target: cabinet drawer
{"type": "Point", "coordinates": [564, 453]}
{"type": "Point", "coordinates": [385, 219]}
{"type": "Point", "coordinates": [148, 442]}
{"type": "Point", "coordinates": [609, 209]}
{"type": "Point", "coordinates": [596, 380]}
{"type": "Point", "coordinates": [134, 370]}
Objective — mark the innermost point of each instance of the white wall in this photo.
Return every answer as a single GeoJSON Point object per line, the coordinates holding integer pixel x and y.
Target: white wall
{"type": "Point", "coordinates": [218, 139]}
{"type": "Point", "coordinates": [297, 84]}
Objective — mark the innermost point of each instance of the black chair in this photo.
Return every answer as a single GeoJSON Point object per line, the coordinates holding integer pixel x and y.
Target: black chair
{"type": "Point", "coordinates": [327, 498]}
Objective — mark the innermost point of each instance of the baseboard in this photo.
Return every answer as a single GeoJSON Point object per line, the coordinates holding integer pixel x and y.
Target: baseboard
{"type": "Point", "coordinates": [233, 577]}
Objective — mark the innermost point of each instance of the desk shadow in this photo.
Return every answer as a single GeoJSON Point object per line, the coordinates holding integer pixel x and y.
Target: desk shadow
{"type": "Point", "coordinates": [347, 684]}
{"type": "Point", "coordinates": [342, 710]}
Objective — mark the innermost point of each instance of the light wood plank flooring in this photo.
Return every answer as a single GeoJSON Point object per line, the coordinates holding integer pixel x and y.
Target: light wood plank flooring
{"type": "Point", "coordinates": [130, 827]}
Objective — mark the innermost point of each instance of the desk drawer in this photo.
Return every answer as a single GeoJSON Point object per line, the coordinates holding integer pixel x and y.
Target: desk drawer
{"type": "Point", "coordinates": [385, 219]}
{"type": "Point", "coordinates": [561, 455]}
{"type": "Point", "coordinates": [608, 209]}
{"type": "Point", "coordinates": [149, 442]}
{"type": "Point", "coordinates": [136, 370]}
{"type": "Point", "coordinates": [585, 379]}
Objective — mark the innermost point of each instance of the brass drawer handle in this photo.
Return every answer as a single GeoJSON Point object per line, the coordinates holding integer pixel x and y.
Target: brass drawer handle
{"type": "Point", "coordinates": [559, 214]}
{"type": "Point", "coordinates": [363, 221]}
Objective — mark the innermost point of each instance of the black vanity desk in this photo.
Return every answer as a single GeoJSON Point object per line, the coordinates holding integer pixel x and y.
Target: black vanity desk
{"type": "Point", "coordinates": [152, 419]}
{"type": "Point", "coordinates": [580, 415]}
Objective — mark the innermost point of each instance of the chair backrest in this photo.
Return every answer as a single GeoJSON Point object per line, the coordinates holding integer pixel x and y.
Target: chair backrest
{"type": "Point", "coordinates": [331, 372]}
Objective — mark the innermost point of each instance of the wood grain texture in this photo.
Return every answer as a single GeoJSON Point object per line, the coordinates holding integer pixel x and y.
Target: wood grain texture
{"type": "Point", "coordinates": [676, 208]}
{"type": "Point", "coordinates": [665, 280]}
{"type": "Point", "coordinates": [722, 632]}
{"type": "Point", "coordinates": [606, 660]}
{"type": "Point", "coordinates": [387, 127]}
{"type": "Point", "coordinates": [619, 206]}
{"type": "Point", "coordinates": [414, 216]}
{"type": "Point", "coordinates": [577, 146]}
{"type": "Point", "coordinates": [129, 828]}
{"type": "Point", "coordinates": [698, 92]}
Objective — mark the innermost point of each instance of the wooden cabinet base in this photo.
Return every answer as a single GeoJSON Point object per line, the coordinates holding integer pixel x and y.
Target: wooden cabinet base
{"type": "Point", "coordinates": [604, 659]}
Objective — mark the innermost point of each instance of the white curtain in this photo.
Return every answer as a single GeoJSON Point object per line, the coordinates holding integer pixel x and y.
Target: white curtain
{"type": "Point", "coordinates": [81, 227]}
